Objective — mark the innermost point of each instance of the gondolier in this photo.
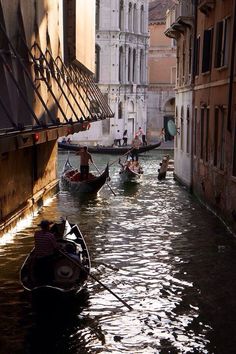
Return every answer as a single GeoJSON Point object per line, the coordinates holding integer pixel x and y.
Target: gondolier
{"type": "Point", "coordinates": [85, 157]}
{"type": "Point", "coordinates": [135, 148]}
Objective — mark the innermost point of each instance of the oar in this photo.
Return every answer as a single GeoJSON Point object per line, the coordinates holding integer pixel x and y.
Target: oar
{"type": "Point", "coordinates": [108, 185]}
{"type": "Point", "coordinates": [112, 163]}
{"type": "Point", "coordinates": [96, 279]}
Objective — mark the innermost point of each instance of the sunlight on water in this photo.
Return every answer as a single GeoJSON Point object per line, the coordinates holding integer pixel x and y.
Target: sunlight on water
{"type": "Point", "coordinates": [156, 248]}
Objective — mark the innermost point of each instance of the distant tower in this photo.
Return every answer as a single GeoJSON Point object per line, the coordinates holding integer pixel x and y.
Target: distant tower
{"type": "Point", "coordinates": [121, 67]}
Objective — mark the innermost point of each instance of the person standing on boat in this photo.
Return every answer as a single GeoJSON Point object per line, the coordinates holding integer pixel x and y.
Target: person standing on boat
{"type": "Point", "coordinates": [141, 133]}
{"type": "Point", "coordinates": [45, 249]}
{"type": "Point", "coordinates": [118, 138]}
{"type": "Point", "coordinates": [135, 148]}
{"type": "Point", "coordinates": [85, 157]}
{"type": "Point", "coordinates": [125, 138]}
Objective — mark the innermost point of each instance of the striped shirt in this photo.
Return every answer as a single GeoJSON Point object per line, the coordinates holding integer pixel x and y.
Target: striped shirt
{"type": "Point", "coordinates": [45, 243]}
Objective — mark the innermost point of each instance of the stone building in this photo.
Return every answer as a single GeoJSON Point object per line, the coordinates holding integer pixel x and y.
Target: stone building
{"type": "Point", "coordinates": [47, 91]}
{"type": "Point", "coordinates": [161, 71]}
{"type": "Point", "coordinates": [121, 67]}
{"type": "Point", "coordinates": [211, 112]}
{"type": "Point", "coordinates": [180, 26]}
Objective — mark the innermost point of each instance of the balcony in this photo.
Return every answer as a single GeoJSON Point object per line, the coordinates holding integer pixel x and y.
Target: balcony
{"type": "Point", "coordinates": [206, 6]}
{"type": "Point", "coordinates": [178, 17]}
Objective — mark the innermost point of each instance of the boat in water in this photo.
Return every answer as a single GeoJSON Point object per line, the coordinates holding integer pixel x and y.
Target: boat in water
{"type": "Point", "coordinates": [130, 171]}
{"type": "Point", "coordinates": [71, 264]}
{"type": "Point", "coordinates": [71, 180]}
{"type": "Point", "coordinates": [112, 150]}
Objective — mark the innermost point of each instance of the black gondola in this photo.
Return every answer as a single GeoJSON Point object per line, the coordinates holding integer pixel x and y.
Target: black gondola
{"type": "Point", "coordinates": [71, 265]}
{"type": "Point", "coordinates": [107, 149]}
{"type": "Point", "coordinates": [130, 173]}
{"type": "Point", "coordinates": [71, 180]}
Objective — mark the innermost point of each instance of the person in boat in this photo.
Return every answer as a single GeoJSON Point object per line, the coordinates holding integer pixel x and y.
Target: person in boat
{"type": "Point", "coordinates": [135, 148]}
{"type": "Point", "coordinates": [45, 249]}
{"type": "Point", "coordinates": [125, 138]}
{"type": "Point", "coordinates": [63, 141]}
{"type": "Point", "coordinates": [118, 138]}
{"type": "Point", "coordinates": [85, 158]}
{"type": "Point", "coordinates": [141, 133]}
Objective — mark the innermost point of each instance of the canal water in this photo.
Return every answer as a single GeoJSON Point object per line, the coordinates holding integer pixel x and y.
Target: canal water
{"type": "Point", "coordinates": [153, 245]}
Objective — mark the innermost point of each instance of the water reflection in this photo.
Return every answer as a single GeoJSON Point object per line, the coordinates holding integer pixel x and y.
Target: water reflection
{"type": "Point", "coordinates": [156, 248]}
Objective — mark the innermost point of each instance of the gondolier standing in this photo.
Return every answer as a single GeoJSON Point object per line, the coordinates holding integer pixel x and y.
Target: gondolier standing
{"type": "Point", "coordinates": [141, 133]}
{"type": "Point", "coordinates": [135, 148]}
{"type": "Point", "coordinates": [85, 157]}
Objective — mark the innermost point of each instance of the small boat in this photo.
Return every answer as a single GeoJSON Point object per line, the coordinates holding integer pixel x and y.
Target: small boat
{"type": "Point", "coordinates": [71, 265]}
{"type": "Point", "coordinates": [71, 180]}
{"type": "Point", "coordinates": [131, 172]}
{"type": "Point", "coordinates": [121, 150]}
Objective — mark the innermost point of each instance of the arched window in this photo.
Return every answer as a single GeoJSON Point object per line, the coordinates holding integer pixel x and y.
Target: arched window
{"type": "Point", "coordinates": [130, 24]}
{"type": "Point", "coordinates": [142, 19]}
{"type": "Point", "coordinates": [188, 131]}
{"type": "Point", "coordinates": [97, 14]}
{"type": "Point", "coordinates": [134, 66]}
{"type": "Point", "coordinates": [120, 111]}
{"type": "Point", "coordinates": [135, 19]}
{"type": "Point", "coordinates": [129, 65]}
{"type": "Point", "coordinates": [141, 75]}
{"type": "Point", "coordinates": [121, 66]}
{"type": "Point", "coordinates": [97, 63]}
{"type": "Point", "coordinates": [121, 15]}
{"type": "Point", "coordinates": [182, 129]}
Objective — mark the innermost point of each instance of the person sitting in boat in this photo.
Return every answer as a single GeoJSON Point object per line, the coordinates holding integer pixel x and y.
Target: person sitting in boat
{"type": "Point", "coordinates": [85, 157]}
{"type": "Point", "coordinates": [46, 247]}
{"type": "Point", "coordinates": [135, 148]}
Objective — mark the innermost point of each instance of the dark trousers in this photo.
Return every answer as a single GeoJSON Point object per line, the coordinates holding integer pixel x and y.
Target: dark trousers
{"type": "Point", "coordinates": [84, 172]}
{"type": "Point", "coordinates": [134, 154]}
{"type": "Point", "coordinates": [125, 141]}
{"type": "Point", "coordinates": [144, 139]}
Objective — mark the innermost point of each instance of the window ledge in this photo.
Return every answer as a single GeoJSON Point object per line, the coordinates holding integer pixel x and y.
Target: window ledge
{"type": "Point", "coordinates": [206, 73]}
{"type": "Point", "coordinates": [221, 68]}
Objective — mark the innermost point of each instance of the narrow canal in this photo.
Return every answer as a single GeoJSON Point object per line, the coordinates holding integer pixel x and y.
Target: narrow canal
{"type": "Point", "coordinates": [157, 248]}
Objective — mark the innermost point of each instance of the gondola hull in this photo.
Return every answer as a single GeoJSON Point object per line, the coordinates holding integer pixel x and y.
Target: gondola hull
{"type": "Point", "coordinates": [128, 175]}
{"type": "Point", "coordinates": [107, 149]}
{"type": "Point", "coordinates": [89, 186]}
{"type": "Point", "coordinates": [71, 266]}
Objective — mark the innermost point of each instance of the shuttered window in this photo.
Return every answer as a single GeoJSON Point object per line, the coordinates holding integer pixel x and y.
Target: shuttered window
{"type": "Point", "coordinates": [207, 50]}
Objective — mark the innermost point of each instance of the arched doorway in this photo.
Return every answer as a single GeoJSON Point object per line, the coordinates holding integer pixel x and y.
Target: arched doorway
{"type": "Point", "coordinates": [169, 114]}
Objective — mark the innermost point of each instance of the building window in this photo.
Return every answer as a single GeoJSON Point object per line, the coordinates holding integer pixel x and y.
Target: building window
{"type": "Point", "coordinates": [219, 138]}
{"type": "Point", "coordinates": [216, 137]}
{"type": "Point", "coordinates": [183, 61]}
{"type": "Point", "coordinates": [222, 119]}
{"type": "Point", "coordinates": [222, 43]}
{"type": "Point", "coordinates": [120, 111]}
{"type": "Point", "coordinates": [182, 129]}
{"type": "Point", "coordinates": [195, 133]}
{"type": "Point", "coordinates": [234, 152]}
{"type": "Point", "coordinates": [129, 65]}
{"type": "Point", "coordinates": [97, 63]}
{"type": "Point", "coordinates": [188, 132]}
{"type": "Point", "coordinates": [121, 66]}
{"type": "Point", "coordinates": [190, 56]}
{"type": "Point", "coordinates": [207, 50]}
{"type": "Point", "coordinates": [177, 120]}
{"type": "Point", "coordinates": [134, 65]}
{"type": "Point", "coordinates": [197, 57]}
{"type": "Point", "coordinates": [121, 15]}
{"type": "Point", "coordinates": [97, 14]}
{"type": "Point", "coordinates": [202, 132]}
{"type": "Point", "coordinates": [130, 25]}
{"type": "Point", "coordinates": [207, 134]}
{"type": "Point", "coordinates": [142, 19]}
{"type": "Point", "coordinates": [135, 17]}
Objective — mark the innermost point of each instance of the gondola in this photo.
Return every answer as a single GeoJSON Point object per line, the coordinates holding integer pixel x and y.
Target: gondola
{"type": "Point", "coordinates": [71, 265]}
{"type": "Point", "coordinates": [129, 173]}
{"type": "Point", "coordinates": [107, 149]}
{"type": "Point", "coordinates": [71, 180]}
